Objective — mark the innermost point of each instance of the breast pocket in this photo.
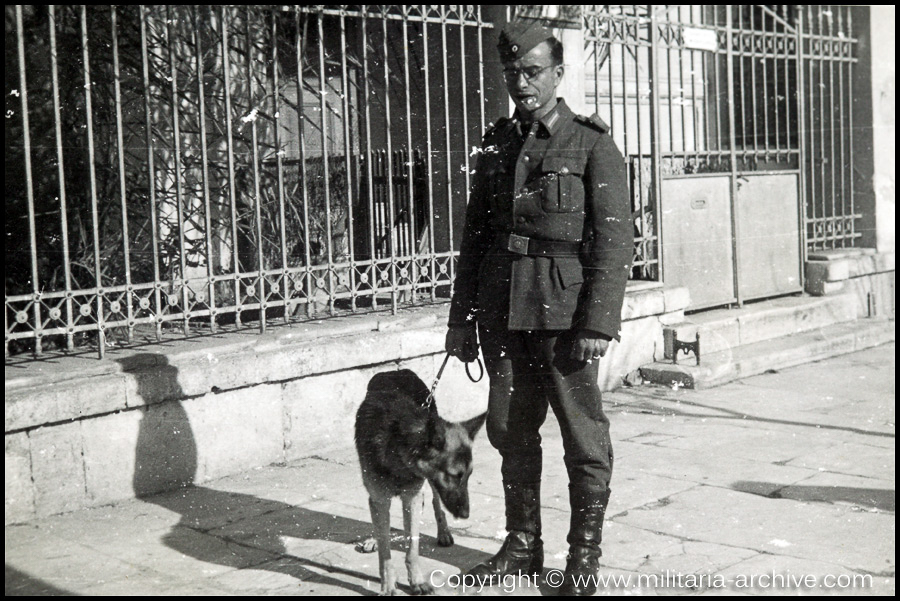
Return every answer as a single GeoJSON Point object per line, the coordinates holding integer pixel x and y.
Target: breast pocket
{"type": "Point", "coordinates": [562, 185]}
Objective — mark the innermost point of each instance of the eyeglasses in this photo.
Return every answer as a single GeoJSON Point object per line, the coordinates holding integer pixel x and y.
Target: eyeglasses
{"type": "Point", "coordinates": [530, 73]}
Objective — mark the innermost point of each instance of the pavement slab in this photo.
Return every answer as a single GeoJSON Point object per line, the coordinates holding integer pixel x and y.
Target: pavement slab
{"type": "Point", "coordinates": [855, 539]}
{"type": "Point", "coordinates": [786, 474]}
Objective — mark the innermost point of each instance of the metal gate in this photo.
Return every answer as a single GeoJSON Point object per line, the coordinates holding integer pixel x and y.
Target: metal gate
{"type": "Point", "coordinates": [714, 108]}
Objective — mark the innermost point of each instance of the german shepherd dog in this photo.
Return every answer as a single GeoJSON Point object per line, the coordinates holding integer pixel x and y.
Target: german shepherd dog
{"type": "Point", "coordinates": [402, 442]}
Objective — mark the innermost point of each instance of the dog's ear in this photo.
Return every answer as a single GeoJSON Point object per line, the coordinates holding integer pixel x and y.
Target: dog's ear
{"type": "Point", "coordinates": [473, 425]}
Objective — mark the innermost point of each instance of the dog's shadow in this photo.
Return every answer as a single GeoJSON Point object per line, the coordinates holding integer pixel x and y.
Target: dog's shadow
{"type": "Point", "coordinates": [244, 531]}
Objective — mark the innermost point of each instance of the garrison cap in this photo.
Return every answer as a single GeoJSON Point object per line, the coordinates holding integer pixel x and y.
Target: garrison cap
{"type": "Point", "coordinates": [519, 37]}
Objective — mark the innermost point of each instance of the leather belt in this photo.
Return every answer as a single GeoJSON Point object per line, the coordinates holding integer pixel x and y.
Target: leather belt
{"type": "Point", "coordinates": [533, 247]}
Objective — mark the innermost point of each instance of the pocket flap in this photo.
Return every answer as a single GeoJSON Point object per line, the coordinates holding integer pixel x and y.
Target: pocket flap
{"type": "Point", "coordinates": [570, 271]}
{"type": "Point", "coordinates": [562, 165]}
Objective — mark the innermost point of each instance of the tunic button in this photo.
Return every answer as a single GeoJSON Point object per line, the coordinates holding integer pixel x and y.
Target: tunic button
{"type": "Point", "coordinates": [526, 158]}
{"type": "Point", "coordinates": [564, 170]}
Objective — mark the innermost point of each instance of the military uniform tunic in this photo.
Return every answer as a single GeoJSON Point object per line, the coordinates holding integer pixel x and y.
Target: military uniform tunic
{"type": "Point", "coordinates": [562, 180]}
{"type": "Point", "coordinates": [546, 252]}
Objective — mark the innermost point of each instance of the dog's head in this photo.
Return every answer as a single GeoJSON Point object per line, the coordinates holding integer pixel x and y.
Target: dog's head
{"type": "Point", "coordinates": [447, 463]}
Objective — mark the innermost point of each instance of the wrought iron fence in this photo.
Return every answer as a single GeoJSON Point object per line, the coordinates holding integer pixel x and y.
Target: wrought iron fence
{"type": "Point", "coordinates": [828, 47]}
{"type": "Point", "coordinates": [694, 89]}
{"type": "Point", "coordinates": [178, 169]}
{"type": "Point", "coordinates": [193, 168]}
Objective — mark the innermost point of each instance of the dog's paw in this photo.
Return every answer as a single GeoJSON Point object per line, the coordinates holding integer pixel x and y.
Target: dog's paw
{"type": "Point", "coordinates": [422, 588]}
{"type": "Point", "coordinates": [392, 592]}
{"type": "Point", "coordinates": [445, 539]}
{"type": "Point", "coordinates": [366, 546]}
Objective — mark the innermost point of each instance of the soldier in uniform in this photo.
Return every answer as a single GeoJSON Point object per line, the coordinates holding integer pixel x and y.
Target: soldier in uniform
{"type": "Point", "coordinates": [545, 257]}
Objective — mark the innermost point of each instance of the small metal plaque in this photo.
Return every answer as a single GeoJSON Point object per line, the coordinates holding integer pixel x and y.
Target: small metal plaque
{"type": "Point", "coordinates": [700, 39]}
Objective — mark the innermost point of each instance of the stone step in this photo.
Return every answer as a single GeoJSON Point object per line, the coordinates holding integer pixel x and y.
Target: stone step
{"type": "Point", "coordinates": [778, 353]}
{"type": "Point", "coordinates": [724, 329]}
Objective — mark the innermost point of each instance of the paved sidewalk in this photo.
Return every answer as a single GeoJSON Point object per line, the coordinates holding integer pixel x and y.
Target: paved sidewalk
{"type": "Point", "coordinates": [778, 478]}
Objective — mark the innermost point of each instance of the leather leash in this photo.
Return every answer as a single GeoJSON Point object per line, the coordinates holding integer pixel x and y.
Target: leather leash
{"type": "Point", "coordinates": [430, 399]}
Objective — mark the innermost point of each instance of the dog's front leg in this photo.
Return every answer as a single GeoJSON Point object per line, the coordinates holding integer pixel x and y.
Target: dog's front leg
{"type": "Point", "coordinates": [445, 539]}
{"type": "Point", "coordinates": [381, 524]}
{"type": "Point", "coordinates": [412, 515]}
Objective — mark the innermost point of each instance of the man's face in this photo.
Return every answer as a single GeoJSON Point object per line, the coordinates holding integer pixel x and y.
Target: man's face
{"type": "Point", "coordinates": [532, 81]}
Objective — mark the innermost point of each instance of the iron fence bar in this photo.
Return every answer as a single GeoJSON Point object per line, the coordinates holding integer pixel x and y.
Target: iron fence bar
{"type": "Point", "coordinates": [301, 126]}
{"type": "Point", "coordinates": [392, 222]}
{"type": "Point", "coordinates": [29, 184]}
{"type": "Point", "coordinates": [638, 102]}
{"type": "Point", "coordinates": [842, 130]}
{"type": "Point", "coordinates": [61, 174]}
{"type": "Point", "coordinates": [409, 153]}
{"type": "Point", "coordinates": [120, 154]}
{"type": "Point", "coordinates": [740, 56]}
{"type": "Point", "coordinates": [326, 168]}
{"type": "Point", "coordinates": [694, 120]}
{"type": "Point", "coordinates": [831, 162]}
{"type": "Point", "coordinates": [851, 130]}
{"type": "Point", "coordinates": [351, 174]}
{"type": "Point", "coordinates": [775, 67]}
{"type": "Point", "coordinates": [681, 99]}
{"type": "Point", "coordinates": [465, 106]}
{"type": "Point", "coordinates": [810, 200]}
{"type": "Point", "coordinates": [821, 95]}
{"type": "Point", "coordinates": [787, 92]}
{"type": "Point", "coordinates": [625, 149]}
{"type": "Point", "coordinates": [705, 60]}
{"type": "Point", "coordinates": [279, 167]}
{"type": "Point", "coordinates": [151, 171]}
{"type": "Point", "coordinates": [254, 156]}
{"type": "Point", "coordinates": [718, 103]}
{"type": "Point", "coordinates": [480, 64]}
{"type": "Point", "coordinates": [735, 232]}
{"type": "Point", "coordinates": [92, 178]}
{"type": "Point", "coordinates": [429, 165]}
{"type": "Point", "coordinates": [369, 159]}
{"type": "Point", "coordinates": [753, 91]}
{"type": "Point", "coordinates": [765, 83]}
{"type": "Point", "coordinates": [669, 80]}
{"type": "Point", "coordinates": [446, 82]}
{"type": "Point", "coordinates": [654, 141]}
{"type": "Point", "coordinates": [229, 144]}
{"type": "Point", "coordinates": [609, 71]}
{"type": "Point", "coordinates": [204, 172]}
{"type": "Point", "coordinates": [179, 193]}
{"type": "Point", "coordinates": [802, 158]}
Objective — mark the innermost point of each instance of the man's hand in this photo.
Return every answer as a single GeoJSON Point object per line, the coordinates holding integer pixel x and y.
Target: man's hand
{"type": "Point", "coordinates": [462, 343]}
{"type": "Point", "coordinates": [589, 345]}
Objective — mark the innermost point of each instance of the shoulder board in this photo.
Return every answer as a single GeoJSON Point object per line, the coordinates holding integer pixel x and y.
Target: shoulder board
{"type": "Point", "coordinates": [593, 121]}
{"type": "Point", "coordinates": [502, 123]}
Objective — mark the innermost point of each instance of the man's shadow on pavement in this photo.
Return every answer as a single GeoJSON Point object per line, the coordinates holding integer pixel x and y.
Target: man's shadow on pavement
{"type": "Point", "coordinates": [235, 529]}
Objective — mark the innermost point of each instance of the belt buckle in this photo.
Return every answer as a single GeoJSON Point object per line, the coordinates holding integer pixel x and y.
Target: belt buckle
{"type": "Point", "coordinates": [517, 244]}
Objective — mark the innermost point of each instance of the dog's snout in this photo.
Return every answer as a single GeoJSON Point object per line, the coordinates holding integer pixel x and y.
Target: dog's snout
{"type": "Point", "coordinates": [459, 510]}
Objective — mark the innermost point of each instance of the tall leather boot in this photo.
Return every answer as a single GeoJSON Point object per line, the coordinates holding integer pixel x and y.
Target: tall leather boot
{"type": "Point", "coordinates": [523, 550]}
{"type": "Point", "coordinates": [585, 535]}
